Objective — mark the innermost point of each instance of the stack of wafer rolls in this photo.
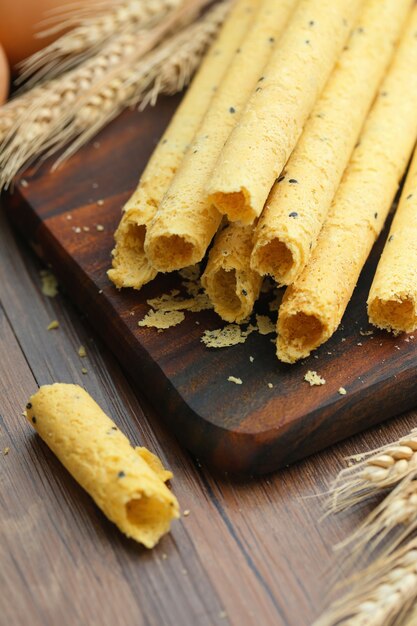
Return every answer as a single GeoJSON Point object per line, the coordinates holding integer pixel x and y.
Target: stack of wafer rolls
{"type": "Point", "coordinates": [131, 266]}
{"type": "Point", "coordinates": [293, 161]}
{"type": "Point", "coordinates": [186, 220]}
{"type": "Point", "coordinates": [314, 304]}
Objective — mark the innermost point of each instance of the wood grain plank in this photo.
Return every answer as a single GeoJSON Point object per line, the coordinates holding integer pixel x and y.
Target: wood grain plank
{"type": "Point", "coordinates": [250, 429]}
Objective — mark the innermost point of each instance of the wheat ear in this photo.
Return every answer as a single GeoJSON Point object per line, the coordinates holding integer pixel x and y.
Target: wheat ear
{"type": "Point", "coordinates": [106, 84]}
{"type": "Point", "coordinates": [378, 470]}
{"type": "Point", "coordinates": [89, 34]}
{"type": "Point", "coordinates": [395, 518]}
{"type": "Point", "coordinates": [381, 595]}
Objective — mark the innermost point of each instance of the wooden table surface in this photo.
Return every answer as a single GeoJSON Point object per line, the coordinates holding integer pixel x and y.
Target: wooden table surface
{"type": "Point", "coordinates": [251, 552]}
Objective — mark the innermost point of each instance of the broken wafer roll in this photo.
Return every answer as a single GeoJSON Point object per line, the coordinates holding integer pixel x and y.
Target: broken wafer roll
{"type": "Point", "coordinates": [298, 204]}
{"type": "Point", "coordinates": [186, 221]}
{"type": "Point", "coordinates": [126, 483]}
{"type": "Point", "coordinates": [313, 306]}
{"type": "Point", "coordinates": [131, 267]}
{"type": "Point", "coordinates": [231, 285]}
{"type": "Point", "coordinates": [261, 143]}
{"type": "Point", "coordinates": [392, 302]}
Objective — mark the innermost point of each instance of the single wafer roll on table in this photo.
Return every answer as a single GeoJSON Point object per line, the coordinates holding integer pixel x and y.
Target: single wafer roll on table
{"type": "Point", "coordinates": [299, 201]}
{"type": "Point", "coordinates": [131, 267]}
{"type": "Point", "coordinates": [186, 221]}
{"type": "Point", "coordinates": [392, 302]}
{"type": "Point", "coordinates": [126, 483]}
{"type": "Point", "coordinates": [271, 124]}
{"type": "Point", "coordinates": [313, 306]}
{"type": "Point", "coordinates": [228, 279]}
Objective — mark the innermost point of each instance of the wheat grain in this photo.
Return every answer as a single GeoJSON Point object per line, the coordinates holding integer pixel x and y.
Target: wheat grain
{"type": "Point", "coordinates": [90, 33]}
{"type": "Point", "coordinates": [378, 470]}
{"type": "Point", "coordinates": [102, 86]}
{"type": "Point", "coordinates": [382, 595]}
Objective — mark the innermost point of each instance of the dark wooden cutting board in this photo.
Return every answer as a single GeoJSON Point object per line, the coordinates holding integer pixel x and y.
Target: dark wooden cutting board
{"type": "Point", "coordinates": [249, 428]}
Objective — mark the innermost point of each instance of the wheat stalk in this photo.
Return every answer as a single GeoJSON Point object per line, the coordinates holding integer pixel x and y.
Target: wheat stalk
{"type": "Point", "coordinates": [85, 99]}
{"type": "Point", "coordinates": [378, 470]}
{"type": "Point", "coordinates": [382, 595]}
{"type": "Point", "coordinates": [90, 33]}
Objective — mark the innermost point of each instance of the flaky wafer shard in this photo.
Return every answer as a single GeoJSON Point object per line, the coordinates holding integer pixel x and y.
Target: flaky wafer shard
{"type": "Point", "coordinates": [262, 141]}
{"type": "Point", "coordinates": [313, 306]}
{"type": "Point", "coordinates": [392, 302]}
{"type": "Point", "coordinates": [298, 204]}
{"type": "Point", "coordinates": [228, 279]}
{"type": "Point", "coordinates": [186, 221]}
{"type": "Point", "coordinates": [131, 267]}
{"type": "Point", "coordinates": [126, 483]}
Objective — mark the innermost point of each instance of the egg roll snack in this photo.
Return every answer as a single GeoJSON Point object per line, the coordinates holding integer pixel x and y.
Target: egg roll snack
{"type": "Point", "coordinates": [262, 141]}
{"type": "Point", "coordinates": [131, 267]}
{"type": "Point", "coordinates": [298, 204]}
{"type": "Point", "coordinates": [392, 302]}
{"type": "Point", "coordinates": [186, 221]}
{"type": "Point", "coordinates": [228, 279]}
{"type": "Point", "coordinates": [313, 306]}
{"type": "Point", "coordinates": [126, 483]}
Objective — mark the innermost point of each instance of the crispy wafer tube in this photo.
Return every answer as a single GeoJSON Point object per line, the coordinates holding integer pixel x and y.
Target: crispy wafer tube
{"type": "Point", "coordinates": [131, 267]}
{"type": "Point", "coordinates": [185, 221]}
{"type": "Point", "coordinates": [271, 124]}
{"type": "Point", "coordinates": [313, 306]}
{"type": "Point", "coordinates": [126, 483]}
{"type": "Point", "coordinates": [392, 302]}
{"type": "Point", "coordinates": [298, 204]}
{"type": "Point", "coordinates": [228, 279]}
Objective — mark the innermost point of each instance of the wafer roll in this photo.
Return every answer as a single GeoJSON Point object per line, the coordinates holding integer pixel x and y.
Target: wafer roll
{"type": "Point", "coordinates": [313, 306]}
{"type": "Point", "coordinates": [131, 267]}
{"type": "Point", "coordinates": [298, 204]}
{"type": "Point", "coordinates": [126, 483]}
{"type": "Point", "coordinates": [271, 124]}
{"type": "Point", "coordinates": [392, 302]}
{"type": "Point", "coordinates": [186, 221]}
{"type": "Point", "coordinates": [228, 279]}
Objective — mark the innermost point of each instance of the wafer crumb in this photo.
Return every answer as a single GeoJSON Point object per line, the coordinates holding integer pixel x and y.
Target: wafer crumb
{"type": "Point", "coordinates": [251, 359]}
{"type": "Point", "coordinates": [186, 512]}
{"type": "Point", "coordinates": [265, 325]}
{"type": "Point", "coordinates": [342, 391]}
{"type": "Point", "coordinates": [83, 370]}
{"type": "Point", "coordinates": [270, 385]}
{"type": "Point", "coordinates": [49, 283]}
{"type": "Point", "coordinates": [100, 227]}
{"type": "Point", "coordinates": [162, 319]}
{"type": "Point", "coordinates": [6, 451]}
{"type": "Point", "coordinates": [170, 302]}
{"type": "Point", "coordinates": [313, 378]}
{"type": "Point", "coordinates": [233, 379]}
{"type": "Point", "coordinates": [52, 325]}
{"type": "Point", "coordinates": [164, 556]}
{"type": "Point", "coordinates": [100, 202]}
{"type": "Point", "coordinates": [230, 335]}
{"type": "Point", "coordinates": [82, 352]}
{"type": "Point", "coordinates": [366, 333]}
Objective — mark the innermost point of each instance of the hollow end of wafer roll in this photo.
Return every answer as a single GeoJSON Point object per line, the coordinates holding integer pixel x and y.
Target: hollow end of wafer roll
{"type": "Point", "coordinates": [397, 313]}
{"type": "Point", "coordinates": [231, 297]}
{"type": "Point", "coordinates": [298, 334]}
{"type": "Point", "coordinates": [236, 205]}
{"type": "Point", "coordinates": [147, 518]}
{"type": "Point", "coordinates": [169, 252]}
{"type": "Point", "coordinates": [282, 260]}
{"type": "Point", "coordinates": [131, 267]}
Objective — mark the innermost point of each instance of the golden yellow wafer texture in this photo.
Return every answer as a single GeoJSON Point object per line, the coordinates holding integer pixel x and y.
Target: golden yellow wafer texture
{"type": "Point", "coordinates": [392, 302]}
{"type": "Point", "coordinates": [228, 279]}
{"type": "Point", "coordinates": [128, 484]}
{"type": "Point", "coordinates": [313, 306]}
{"type": "Point", "coordinates": [186, 221]}
{"type": "Point", "coordinates": [131, 267]}
{"type": "Point", "coordinates": [298, 204]}
{"type": "Point", "coordinates": [271, 124]}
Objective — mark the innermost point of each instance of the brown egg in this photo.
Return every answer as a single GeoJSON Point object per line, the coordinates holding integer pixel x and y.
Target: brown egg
{"type": "Point", "coordinates": [19, 23]}
{"type": "Point", "coordinates": [4, 76]}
